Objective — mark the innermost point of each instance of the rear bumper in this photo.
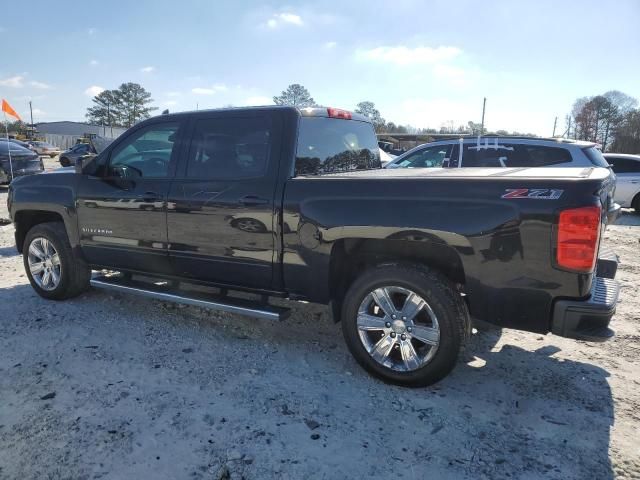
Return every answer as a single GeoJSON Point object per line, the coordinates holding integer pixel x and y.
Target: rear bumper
{"type": "Point", "coordinates": [588, 319]}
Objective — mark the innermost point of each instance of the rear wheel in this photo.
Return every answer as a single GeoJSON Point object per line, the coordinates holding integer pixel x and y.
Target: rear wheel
{"type": "Point", "coordinates": [65, 162]}
{"type": "Point", "coordinates": [52, 269]}
{"type": "Point", "coordinates": [405, 324]}
{"type": "Point", "coordinates": [636, 203]}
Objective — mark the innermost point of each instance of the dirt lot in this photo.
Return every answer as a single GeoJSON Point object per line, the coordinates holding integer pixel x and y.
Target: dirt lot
{"type": "Point", "coordinates": [111, 386]}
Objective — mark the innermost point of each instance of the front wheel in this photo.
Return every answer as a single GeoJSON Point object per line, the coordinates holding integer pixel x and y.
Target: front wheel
{"type": "Point", "coordinates": [53, 271]}
{"type": "Point", "coordinates": [405, 324]}
{"type": "Point", "coordinates": [65, 162]}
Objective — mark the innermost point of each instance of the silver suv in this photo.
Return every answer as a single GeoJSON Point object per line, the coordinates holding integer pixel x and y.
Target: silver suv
{"type": "Point", "coordinates": [494, 151]}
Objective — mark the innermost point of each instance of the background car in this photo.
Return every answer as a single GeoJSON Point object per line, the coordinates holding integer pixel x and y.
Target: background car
{"type": "Point", "coordinates": [44, 148]}
{"type": "Point", "coordinates": [491, 151]}
{"type": "Point", "coordinates": [69, 157]}
{"type": "Point", "coordinates": [20, 142]}
{"type": "Point", "coordinates": [627, 170]}
{"type": "Point", "coordinates": [94, 146]}
{"type": "Point", "coordinates": [23, 161]}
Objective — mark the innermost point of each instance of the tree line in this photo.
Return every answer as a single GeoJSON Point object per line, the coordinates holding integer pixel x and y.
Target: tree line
{"type": "Point", "coordinates": [298, 96]}
{"type": "Point", "coordinates": [611, 119]}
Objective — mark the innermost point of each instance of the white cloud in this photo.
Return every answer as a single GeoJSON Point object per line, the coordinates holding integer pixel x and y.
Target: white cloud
{"type": "Point", "coordinates": [93, 90]}
{"type": "Point", "coordinates": [148, 69]}
{"type": "Point", "coordinates": [403, 55]}
{"type": "Point", "coordinates": [209, 90]}
{"type": "Point", "coordinates": [13, 82]}
{"type": "Point", "coordinates": [93, 63]}
{"type": "Point", "coordinates": [285, 18]}
{"type": "Point", "coordinates": [330, 45]}
{"type": "Point", "coordinates": [40, 85]}
{"type": "Point", "coordinates": [257, 100]}
{"type": "Point", "coordinates": [171, 103]}
{"type": "Point", "coordinates": [433, 113]}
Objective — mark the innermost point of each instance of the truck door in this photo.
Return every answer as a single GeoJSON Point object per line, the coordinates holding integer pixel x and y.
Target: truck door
{"type": "Point", "coordinates": [220, 217]}
{"type": "Point", "coordinates": [122, 204]}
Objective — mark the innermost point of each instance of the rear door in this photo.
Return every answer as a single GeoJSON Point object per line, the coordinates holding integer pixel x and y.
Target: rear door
{"type": "Point", "coordinates": [221, 205]}
{"type": "Point", "coordinates": [122, 206]}
{"type": "Point", "coordinates": [627, 172]}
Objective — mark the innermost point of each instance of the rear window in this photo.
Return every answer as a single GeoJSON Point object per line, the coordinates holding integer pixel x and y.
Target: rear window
{"type": "Point", "coordinates": [331, 145]}
{"type": "Point", "coordinates": [595, 156]}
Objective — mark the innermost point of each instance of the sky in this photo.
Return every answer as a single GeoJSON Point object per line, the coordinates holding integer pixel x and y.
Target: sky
{"type": "Point", "coordinates": [426, 63]}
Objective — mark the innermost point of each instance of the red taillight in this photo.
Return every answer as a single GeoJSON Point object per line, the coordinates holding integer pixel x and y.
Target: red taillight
{"type": "Point", "coordinates": [338, 113]}
{"type": "Point", "coordinates": [578, 234]}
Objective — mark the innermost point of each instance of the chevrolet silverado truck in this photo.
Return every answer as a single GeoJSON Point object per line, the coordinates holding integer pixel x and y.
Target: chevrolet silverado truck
{"type": "Point", "coordinates": [227, 209]}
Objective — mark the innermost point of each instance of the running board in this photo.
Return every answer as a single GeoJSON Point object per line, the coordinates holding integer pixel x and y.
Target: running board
{"type": "Point", "coordinates": [162, 291]}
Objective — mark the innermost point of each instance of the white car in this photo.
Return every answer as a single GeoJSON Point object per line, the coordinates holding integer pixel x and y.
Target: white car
{"type": "Point", "coordinates": [627, 170]}
{"type": "Point", "coordinates": [45, 149]}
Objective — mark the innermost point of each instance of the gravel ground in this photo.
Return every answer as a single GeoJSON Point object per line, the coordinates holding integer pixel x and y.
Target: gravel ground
{"type": "Point", "coordinates": [112, 386]}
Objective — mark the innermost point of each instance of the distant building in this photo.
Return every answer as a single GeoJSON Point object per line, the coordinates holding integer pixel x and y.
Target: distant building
{"type": "Point", "coordinates": [77, 128]}
{"type": "Point", "coordinates": [65, 134]}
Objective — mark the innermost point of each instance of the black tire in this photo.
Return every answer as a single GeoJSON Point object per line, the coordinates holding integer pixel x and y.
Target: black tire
{"type": "Point", "coordinates": [65, 162]}
{"type": "Point", "coordinates": [74, 272]}
{"type": "Point", "coordinates": [635, 203]}
{"type": "Point", "coordinates": [440, 294]}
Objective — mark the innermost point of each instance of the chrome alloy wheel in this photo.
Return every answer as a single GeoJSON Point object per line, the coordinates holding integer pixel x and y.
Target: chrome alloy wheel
{"type": "Point", "coordinates": [44, 263]}
{"type": "Point", "coordinates": [398, 328]}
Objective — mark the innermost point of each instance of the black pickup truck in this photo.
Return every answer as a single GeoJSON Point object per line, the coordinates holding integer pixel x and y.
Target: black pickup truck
{"type": "Point", "coordinates": [227, 208]}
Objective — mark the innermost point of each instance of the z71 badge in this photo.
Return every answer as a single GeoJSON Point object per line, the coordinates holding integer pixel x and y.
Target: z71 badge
{"type": "Point", "coordinates": [535, 193]}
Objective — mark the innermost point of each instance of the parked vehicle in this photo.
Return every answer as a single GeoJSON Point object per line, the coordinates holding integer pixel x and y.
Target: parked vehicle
{"type": "Point", "coordinates": [385, 157]}
{"type": "Point", "coordinates": [627, 170]}
{"type": "Point", "coordinates": [93, 146]}
{"type": "Point", "coordinates": [404, 257]}
{"type": "Point", "coordinates": [492, 151]}
{"type": "Point", "coordinates": [23, 161]}
{"type": "Point", "coordinates": [45, 149]}
{"type": "Point", "coordinates": [26, 145]}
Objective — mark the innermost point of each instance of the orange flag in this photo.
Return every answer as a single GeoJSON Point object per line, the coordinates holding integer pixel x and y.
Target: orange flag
{"type": "Point", "coordinates": [6, 108]}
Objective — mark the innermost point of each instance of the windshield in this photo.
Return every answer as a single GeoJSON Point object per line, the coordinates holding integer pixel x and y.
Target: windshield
{"type": "Point", "coordinates": [330, 145]}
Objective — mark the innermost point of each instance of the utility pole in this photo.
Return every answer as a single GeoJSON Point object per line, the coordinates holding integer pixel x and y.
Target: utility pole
{"type": "Point", "coordinates": [555, 122]}
{"type": "Point", "coordinates": [484, 104]}
{"type": "Point", "coordinates": [31, 113]}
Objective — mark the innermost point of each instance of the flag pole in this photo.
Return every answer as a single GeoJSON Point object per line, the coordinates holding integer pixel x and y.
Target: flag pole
{"type": "Point", "coordinates": [6, 131]}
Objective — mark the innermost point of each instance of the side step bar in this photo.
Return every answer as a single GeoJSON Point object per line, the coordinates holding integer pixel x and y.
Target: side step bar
{"type": "Point", "coordinates": [171, 294]}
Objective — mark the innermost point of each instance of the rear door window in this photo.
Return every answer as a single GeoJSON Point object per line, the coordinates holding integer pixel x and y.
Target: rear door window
{"type": "Point", "coordinates": [331, 145]}
{"type": "Point", "coordinates": [624, 165]}
{"type": "Point", "coordinates": [228, 148]}
{"type": "Point", "coordinates": [513, 155]}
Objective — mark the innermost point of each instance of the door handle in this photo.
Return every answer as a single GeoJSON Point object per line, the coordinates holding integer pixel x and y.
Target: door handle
{"type": "Point", "coordinates": [251, 200]}
{"type": "Point", "coordinates": [149, 197]}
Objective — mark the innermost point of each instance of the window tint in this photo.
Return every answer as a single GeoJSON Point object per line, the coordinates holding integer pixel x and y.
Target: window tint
{"type": "Point", "coordinates": [81, 148]}
{"type": "Point", "coordinates": [596, 157]}
{"type": "Point", "coordinates": [229, 148]}
{"type": "Point", "coordinates": [624, 165]}
{"type": "Point", "coordinates": [329, 145]}
{"type": "Point", "coordinates": [145, 153]}
{"type": "Point", "coordinates": [426, 157]}
{"type": "Point", "coordinates": [513, 155]}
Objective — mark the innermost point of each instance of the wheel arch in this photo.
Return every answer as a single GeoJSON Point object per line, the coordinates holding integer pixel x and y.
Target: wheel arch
{"type": "Point", "coordinates": [350, 257]}
{"type": "Point", "coordinates": [25, 220]}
